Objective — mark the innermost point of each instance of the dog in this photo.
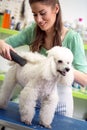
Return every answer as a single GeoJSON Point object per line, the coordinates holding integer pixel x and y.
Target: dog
{"type": "Point", "coordinates": [39, 77]}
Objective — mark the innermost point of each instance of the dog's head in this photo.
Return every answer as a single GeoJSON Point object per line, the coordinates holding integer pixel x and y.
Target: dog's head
{"type": "Point", "coordinates": [63, 58]}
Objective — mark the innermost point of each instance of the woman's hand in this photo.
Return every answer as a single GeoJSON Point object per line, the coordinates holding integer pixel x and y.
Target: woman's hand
{"type": "Point", "coordinates": [5, 50]}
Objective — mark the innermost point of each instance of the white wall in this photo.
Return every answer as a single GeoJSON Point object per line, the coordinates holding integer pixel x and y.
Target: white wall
{"type": "Point", "coordinates": [73, 9]}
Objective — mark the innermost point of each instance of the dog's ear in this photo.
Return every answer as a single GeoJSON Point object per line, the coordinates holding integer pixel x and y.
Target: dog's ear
{"type": "Point", "coordinates": [49, 53]}
{"type": "Point", "coordinates": [53, 51]}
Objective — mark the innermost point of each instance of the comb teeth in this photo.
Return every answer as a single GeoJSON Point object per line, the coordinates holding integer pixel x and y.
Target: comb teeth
{"type": "Point", "coordinates": [18, 59]}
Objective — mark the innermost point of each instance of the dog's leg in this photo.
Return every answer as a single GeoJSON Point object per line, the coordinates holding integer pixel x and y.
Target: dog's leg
{"type": "Point", "coordinates": [48, 108]}
{"type": "Point", "coordinates": [27, 103]}
{"type": "Point", "coordinates": [7, 88]}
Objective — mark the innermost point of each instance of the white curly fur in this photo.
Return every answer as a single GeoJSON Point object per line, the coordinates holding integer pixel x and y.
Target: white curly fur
{"type": "Point", "coordinates": [40, 78]}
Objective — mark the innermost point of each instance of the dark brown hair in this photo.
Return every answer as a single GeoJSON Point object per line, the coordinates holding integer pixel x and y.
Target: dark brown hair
{"type": "Point", "coordinates": [40, 34]}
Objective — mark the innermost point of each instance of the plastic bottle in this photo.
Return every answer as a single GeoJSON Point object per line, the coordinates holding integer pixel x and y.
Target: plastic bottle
{"type": "Point", "coordinates": [18, 26]}
{"type": "Point", "coordinates": [79, 26]}
{"type": "Point", "coordinates": [76, 86]}
{"type": "Point", "coordinates": [85, 35]}
{"type": "Point", "coordinates": [12, 25]}
{"type": "Point", "coordinates": [6, 19]}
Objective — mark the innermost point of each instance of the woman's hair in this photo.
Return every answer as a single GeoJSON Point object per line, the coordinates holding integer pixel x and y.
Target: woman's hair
{"type": "Point", "coordinates": [40, 34]}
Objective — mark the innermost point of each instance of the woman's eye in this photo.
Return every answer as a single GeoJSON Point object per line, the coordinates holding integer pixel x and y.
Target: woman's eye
{"type": "Point", "coordinates": [44, 13]}
{"type": "Point", "coordinates": [34, 15]}
{"type": "Point", "coordinates": [40, 13]}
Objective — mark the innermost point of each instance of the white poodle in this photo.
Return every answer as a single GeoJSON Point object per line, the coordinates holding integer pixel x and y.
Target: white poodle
{"type": "Point", "coordinates": [39, 79]}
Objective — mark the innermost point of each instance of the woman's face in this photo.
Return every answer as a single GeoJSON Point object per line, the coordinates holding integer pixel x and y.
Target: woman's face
{"type": "Point", "coordinates": [44, 15]}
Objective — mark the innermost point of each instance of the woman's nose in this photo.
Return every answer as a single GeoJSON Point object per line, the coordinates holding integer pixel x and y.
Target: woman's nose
{"type": "Point", "coordinates": [38, 19]}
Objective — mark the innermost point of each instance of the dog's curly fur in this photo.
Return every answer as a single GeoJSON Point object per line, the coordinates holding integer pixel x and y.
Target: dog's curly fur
{"type": "Point", "coordinates": [40, 78]}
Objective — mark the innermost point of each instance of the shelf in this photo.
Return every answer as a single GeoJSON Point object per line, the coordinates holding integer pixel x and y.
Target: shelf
{"type": "Point", "coordinates": [2, 76]}
{"type": "Point", "coordinates": [11, 32]}
{"type": "Point", "coordinates": [85, 46]}
{"type": "Point", "coordinates": [80, 95]}
{"type": "Point", "coordinates": [8, 31]}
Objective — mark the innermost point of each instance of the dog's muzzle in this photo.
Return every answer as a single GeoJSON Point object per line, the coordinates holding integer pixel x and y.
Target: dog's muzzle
{"type": "Point", "coordinates": [63, 72]}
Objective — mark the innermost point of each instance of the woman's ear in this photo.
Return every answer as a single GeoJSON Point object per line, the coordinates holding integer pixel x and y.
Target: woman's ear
{"type": "Point", "coordinates": [57, 8]}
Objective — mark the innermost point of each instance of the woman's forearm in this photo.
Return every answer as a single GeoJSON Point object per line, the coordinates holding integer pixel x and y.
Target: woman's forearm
{"type": "Point", "coordinates": [80, 77]}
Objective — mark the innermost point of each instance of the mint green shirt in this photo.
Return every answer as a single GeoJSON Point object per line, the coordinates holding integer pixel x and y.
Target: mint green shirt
{"type": "Point", "coordinates": [72, 40]}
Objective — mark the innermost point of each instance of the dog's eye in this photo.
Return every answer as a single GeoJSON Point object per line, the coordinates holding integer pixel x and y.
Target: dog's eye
{"type": "Point", "coordinates": [67, 62]}
{"type": "Point", "coordinates": [60, 61]}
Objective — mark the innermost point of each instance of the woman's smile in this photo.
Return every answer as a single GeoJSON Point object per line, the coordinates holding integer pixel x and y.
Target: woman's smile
{"type": "Point", "coordinates": [42, 25]}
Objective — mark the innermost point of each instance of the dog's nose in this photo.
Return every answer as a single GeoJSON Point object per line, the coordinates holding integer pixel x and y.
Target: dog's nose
{"type": "Point", "coordinates": [67, 69]}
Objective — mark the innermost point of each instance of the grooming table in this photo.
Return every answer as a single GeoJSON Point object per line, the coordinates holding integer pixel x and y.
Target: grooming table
{"type": "Point", "coordinates": [11, 118]}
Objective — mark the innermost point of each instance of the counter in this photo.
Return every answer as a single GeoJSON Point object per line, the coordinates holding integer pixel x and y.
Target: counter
{"type": "Point", "coordinates": [11, 118]}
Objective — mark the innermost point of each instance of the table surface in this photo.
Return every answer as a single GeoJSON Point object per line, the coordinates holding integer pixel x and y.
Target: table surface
{"type": "Point", "coordinates": [11, 118]}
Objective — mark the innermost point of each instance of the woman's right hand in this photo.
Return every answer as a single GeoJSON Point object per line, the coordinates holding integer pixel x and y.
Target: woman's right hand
{"type": "Point", "coordinates": [5, 50]}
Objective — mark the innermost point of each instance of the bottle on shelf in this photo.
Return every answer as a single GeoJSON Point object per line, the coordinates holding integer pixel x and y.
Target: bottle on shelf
{"type": "Point", "coordinates": [85, 35]}
{"type": "Point", "coordinates": [12, 25]}
{"type": "Point", "coordinates": [80, 26]}
{"type": "Point", "coordinates": [76, 86]}
{"type": "Point", "coordinates": [6, 19]}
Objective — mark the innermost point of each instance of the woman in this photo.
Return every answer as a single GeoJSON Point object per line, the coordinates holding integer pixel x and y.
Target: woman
{"type": "Point", "coordinates": [48, 31]}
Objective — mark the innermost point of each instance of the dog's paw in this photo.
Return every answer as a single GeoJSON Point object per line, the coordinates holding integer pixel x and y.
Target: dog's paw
{"type": "Point", "coordinates": [3, 105]}
{"type": "Point", "coordinates": [45, 125]}
{"type": "Point", "coordinates": [26, 120]}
